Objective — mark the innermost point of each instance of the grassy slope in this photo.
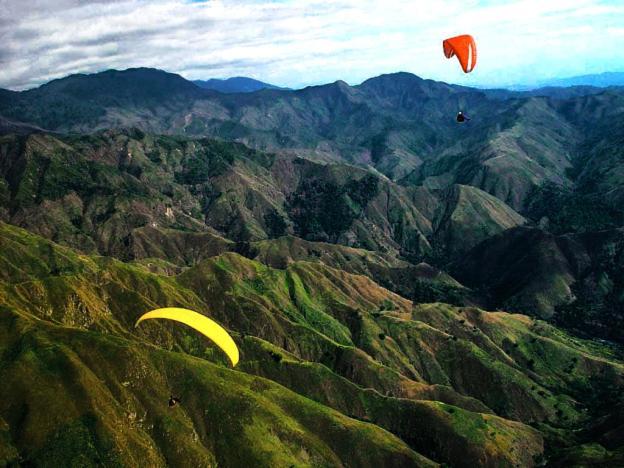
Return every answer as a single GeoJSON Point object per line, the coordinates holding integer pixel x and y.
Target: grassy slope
{"type": "Point", "coordinates": [308, 323]}
{"type": "Point", "coordinates": [134, 195]}
{"type": "Point", "coordinates": [421, 282]}
{"type": "Point", "coordinates": [81, 398]}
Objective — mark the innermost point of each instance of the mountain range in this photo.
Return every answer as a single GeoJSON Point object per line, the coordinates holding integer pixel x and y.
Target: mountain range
{"type": "Point", "coordinates": [405, 290]}
{"type": "Point", "coordinates": [600, 80]}
{"type": "Point", "coordinates": [236, 84]}
{"type": "Point", "coordinates": [240, 84]}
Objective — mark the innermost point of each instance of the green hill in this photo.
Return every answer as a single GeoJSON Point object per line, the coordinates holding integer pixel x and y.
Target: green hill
{"type": "Point", "coordinates": [354, 240]}
{"type": "Point", "coordinates": [392, 380]}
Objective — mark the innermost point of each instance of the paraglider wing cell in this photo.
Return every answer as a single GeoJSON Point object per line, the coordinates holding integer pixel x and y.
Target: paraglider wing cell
{"type": "Point", "coordinates": [465, 48]}
{"type": "Point", "coordinates": [199, 322]}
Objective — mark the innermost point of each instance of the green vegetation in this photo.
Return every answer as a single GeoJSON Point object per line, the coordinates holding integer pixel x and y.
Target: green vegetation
{"type": "Point", "coordinates": [353, 351]}
{"type": "Point", "coordinates": [323, 210]}
{"type": "Point", "coordinates": [572, 211]}
{"type": "Point", "coordinates": [67, 336]}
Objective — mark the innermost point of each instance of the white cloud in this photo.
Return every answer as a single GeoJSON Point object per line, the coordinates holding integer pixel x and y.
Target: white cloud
{"type": "Point", "coordinates": [300, 42]}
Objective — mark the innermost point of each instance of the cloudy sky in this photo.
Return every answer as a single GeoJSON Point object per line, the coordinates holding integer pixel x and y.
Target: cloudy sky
{"type": "Point", "coordinates": [300, 42]}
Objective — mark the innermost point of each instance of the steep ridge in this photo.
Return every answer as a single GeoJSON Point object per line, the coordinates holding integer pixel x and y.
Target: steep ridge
{"type": "Point", "coordinates": [105, 394]}
{"type": "Point", "coordinates": [135, 195]}
{"type": "Point", "coordinates": [400, 124]}
{"type": "Point", "coordinates": [307, 323]}
{"type": "Point", "coordinates": [420, 283]}
{"type": "Point", "coordinates": [108, 99]}
{"type": "Point", "coordinates": [523, 269]}
{"type": "Point", "coordinates": [576, 278]}
{"type": "Point", "coordinates": [139, 196]}
{"type": "Point", "coordinates": [530, 145]}
{"type": "Point", "coordinates": [468, 216]}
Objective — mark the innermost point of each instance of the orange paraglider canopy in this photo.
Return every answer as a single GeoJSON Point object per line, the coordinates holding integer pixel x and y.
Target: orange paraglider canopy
{"type": "Point", "coordinates": [465, 48]}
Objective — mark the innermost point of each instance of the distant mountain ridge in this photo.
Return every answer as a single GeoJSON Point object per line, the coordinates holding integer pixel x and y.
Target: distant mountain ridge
{"type": "Point", "coordinates": [236, 84]}
{"type": "Point", "coordinates": [397, 124]}
{"type": "Point", "coordinates": [133, 83]}
{"type": "Point", "coordinates": [598, 80]}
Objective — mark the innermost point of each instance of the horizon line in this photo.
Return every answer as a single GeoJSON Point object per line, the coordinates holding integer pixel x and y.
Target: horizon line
{"type": "Point", "coordinates": [509, 86]}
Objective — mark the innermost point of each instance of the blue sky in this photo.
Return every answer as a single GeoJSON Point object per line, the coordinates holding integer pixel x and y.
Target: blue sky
{"type": "Point", "coordinates": [301, 42]}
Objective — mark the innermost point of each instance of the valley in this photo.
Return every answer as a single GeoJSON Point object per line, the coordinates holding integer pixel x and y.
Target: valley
{"type": "Point", "coordinates": [403, 290]}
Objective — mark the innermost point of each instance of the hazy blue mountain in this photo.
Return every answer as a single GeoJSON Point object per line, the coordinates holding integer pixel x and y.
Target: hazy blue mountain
{"type": "Point", "coordinates": [236, 84]}
{"type": "Point", "coordinates": [598, 80]}
{"type": "Point", "coordinates": [602, 80]}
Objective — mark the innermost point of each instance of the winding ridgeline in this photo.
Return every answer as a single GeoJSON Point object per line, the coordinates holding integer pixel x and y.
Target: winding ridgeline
{"type": "Point", "coordinates": [403, 290]}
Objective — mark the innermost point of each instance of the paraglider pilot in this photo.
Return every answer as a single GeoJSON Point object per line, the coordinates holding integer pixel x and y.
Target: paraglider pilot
{"type": "Point", "coordinates": [461, 117]}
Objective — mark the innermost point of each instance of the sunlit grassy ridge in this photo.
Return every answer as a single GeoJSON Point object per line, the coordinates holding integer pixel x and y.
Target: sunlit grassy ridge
{"type": "Point", "coordinates": [85, 398]}
{"type": "Point", "coordinates": [456, 385]}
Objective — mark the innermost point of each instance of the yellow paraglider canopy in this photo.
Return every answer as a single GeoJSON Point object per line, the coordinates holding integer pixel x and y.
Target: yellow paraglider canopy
{"type": "Point", "coordinates": [199, 322]}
